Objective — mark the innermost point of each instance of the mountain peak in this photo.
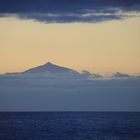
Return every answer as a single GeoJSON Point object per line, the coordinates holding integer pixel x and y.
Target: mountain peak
{"type": "Point", "coordinates": [49, 63]}
{"type": "Point", "coordinates": [50, 68]}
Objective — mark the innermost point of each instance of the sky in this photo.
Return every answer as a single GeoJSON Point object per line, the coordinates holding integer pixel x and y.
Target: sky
{"type": "Point", "coordinates": [98, 36]}
{"type": "Point", "coordinates": [89, 35]}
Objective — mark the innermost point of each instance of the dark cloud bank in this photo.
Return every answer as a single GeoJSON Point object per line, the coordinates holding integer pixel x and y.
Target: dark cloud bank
{"type": "Point", "coordinates": [61, 11]}
{"type": "Point", "coordinates": [69, 92]}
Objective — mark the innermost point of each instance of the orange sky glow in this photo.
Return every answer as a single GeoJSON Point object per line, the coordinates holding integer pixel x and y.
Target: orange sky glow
{"type": "Point", "coordinates": [100, 47]}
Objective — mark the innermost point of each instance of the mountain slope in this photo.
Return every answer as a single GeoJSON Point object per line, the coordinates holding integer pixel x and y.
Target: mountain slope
{"type": "Point", "coordinates": [50, 68]}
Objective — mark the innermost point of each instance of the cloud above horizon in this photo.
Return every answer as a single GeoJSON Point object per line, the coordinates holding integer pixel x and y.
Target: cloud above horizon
{"type": "Point", "coordinates": [67, 11]}
{"type": "Point", "coordinates": [57, 92]}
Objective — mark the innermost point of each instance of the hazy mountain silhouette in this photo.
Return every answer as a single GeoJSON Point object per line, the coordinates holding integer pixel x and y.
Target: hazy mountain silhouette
{"type": "Point", "coordinates": [50, 68]}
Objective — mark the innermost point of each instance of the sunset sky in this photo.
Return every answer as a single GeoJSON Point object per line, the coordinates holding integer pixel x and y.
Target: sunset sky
{"type": "Point", "coordinates": [103, 45]}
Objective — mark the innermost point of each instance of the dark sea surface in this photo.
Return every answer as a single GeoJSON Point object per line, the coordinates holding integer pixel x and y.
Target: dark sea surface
{"type": "Point", "coordinates": [69, 126]}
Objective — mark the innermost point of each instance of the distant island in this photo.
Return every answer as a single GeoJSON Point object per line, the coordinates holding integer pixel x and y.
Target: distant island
{"type": "Point", "coordinates": [50, 68]}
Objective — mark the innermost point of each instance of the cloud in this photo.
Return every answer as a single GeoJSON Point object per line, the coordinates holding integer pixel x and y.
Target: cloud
{"type": "Point", "coordinates": [121, 75]}
{"type": "Point", "coordinates": [58, 92]}
{"type": "Point", "coordinates": [88, 75]}
{"type": "Point", "coordinates": [65, 11]}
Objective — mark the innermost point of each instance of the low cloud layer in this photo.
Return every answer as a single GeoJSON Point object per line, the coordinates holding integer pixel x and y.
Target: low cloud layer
{"type": "Point", "coordinates": [62, 92]}
{"type": "Point", "coordinates": [66, 11]}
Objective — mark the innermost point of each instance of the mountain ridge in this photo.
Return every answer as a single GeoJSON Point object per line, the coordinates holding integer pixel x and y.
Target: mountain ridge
{"type": "Point", "coordinates": [49, 68]}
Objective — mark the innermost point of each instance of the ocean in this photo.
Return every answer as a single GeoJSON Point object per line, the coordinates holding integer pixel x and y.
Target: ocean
{"type": "Point", "coordinates": [70, 126]}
